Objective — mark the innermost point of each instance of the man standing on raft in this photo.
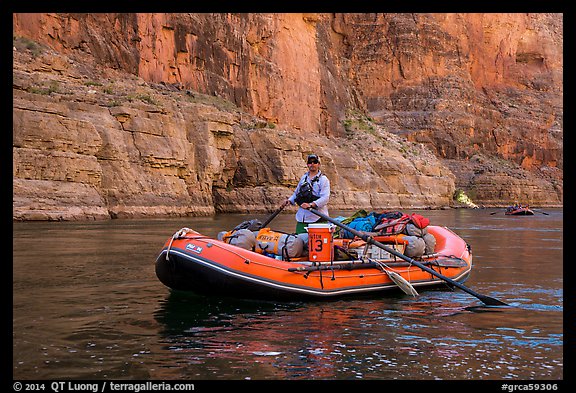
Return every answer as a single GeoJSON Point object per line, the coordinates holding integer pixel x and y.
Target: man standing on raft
{"type": "Point", "coordinates": [313, 191]}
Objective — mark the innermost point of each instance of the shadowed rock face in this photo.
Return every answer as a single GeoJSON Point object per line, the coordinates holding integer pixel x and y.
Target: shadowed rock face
{"type": "Point", "coordinates": [124, 115]}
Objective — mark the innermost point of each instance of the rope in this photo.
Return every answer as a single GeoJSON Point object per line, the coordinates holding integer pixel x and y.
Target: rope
{"type": "Point", "coordinates": [180, 234]}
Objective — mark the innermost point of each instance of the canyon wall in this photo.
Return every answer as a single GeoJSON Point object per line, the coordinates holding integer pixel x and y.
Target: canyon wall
{"type": "Point", "coordinates": [127, 115]}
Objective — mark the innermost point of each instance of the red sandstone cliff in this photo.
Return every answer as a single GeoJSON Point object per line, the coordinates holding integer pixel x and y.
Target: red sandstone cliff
{"type": "Point", "coordinates": [139, 114]}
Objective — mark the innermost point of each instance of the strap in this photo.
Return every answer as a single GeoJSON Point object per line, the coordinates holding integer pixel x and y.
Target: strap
{"type": "Point", "coordinates": [316, 178]}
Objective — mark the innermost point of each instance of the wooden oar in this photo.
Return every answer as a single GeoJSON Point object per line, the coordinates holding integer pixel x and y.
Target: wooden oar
{"type": "Point", "coordinates": [540, 211]}
{"type": "Point", "coordinates": [490, 301]}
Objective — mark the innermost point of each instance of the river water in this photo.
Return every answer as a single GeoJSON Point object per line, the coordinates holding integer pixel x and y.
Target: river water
{"type": "Point", "coordinates": [87, 305]}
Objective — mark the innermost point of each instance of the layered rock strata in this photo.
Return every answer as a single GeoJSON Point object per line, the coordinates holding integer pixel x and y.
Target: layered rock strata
{"type": "Point", "coordinates": [126, 115]}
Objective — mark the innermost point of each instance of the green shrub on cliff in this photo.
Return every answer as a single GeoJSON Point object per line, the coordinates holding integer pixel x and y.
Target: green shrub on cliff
{"type": "Point", "coordinates": [461, 197]}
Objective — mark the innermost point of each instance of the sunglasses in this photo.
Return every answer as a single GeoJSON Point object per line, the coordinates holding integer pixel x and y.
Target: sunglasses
{"type": "Point", "coordinates": [313, 162]}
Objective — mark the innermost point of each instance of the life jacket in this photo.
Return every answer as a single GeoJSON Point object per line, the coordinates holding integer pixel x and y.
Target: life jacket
{"type": "Point", "coordinates": [392, 223]}
{"type": "Point", "coordinates": [306, 191]}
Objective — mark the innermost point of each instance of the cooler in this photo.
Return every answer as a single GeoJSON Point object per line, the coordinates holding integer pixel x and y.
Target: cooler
{"type": "Point", "coordinates": [320, 244]}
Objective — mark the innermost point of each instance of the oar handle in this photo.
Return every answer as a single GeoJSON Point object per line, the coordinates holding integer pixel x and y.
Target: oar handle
{"type": "Point", "coordinates": [274, 215]}
{"type": "Point", "coordinates": [486, 299]}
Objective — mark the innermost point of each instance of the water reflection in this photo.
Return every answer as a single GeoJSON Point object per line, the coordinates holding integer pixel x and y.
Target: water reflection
{"type": "Point", "coordinates": [183, 312]}
{"type": "Point", "coordinates": [440, 334]}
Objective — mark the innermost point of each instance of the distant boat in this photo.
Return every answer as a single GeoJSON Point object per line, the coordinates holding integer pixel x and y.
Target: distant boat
{"type": "Point", "coordinates": [518, 210]}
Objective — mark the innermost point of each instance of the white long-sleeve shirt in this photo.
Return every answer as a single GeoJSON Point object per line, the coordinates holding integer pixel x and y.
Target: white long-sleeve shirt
{"type": "Point", "coordinates": [320, 188]}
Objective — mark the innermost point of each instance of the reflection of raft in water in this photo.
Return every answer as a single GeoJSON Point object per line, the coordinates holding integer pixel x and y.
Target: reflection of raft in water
{"type": "Point", "coordinates": [193, 262]}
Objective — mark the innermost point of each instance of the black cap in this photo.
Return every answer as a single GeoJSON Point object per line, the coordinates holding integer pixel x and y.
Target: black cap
{"type": "Point", "coordinates": [312, 157]}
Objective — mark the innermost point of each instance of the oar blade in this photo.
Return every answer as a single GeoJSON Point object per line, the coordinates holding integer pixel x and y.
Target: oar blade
{"type": "Point", "coordinates": [402, 283]}
{"type": "Point", "coordinates": [490, 301]}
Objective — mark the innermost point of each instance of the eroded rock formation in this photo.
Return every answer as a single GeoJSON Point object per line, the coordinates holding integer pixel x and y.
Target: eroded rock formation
{"type": "Point", "coordinates": [125, 115]}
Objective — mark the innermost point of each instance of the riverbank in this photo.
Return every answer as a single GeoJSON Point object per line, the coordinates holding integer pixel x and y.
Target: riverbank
{"type": "Point", "coordinates": [139, 215]}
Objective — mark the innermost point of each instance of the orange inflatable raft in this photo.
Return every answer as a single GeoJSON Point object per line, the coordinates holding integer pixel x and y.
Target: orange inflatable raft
{"type": "Point", "coordinates": [190, 261]}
